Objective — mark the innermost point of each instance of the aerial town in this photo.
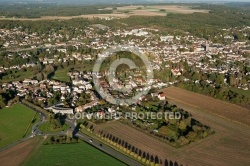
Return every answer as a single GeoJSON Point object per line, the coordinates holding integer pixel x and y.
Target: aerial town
{"type": "Point", "coordinates": [154, 85]}
{"type": "Point", "coordinates": [165, 50]}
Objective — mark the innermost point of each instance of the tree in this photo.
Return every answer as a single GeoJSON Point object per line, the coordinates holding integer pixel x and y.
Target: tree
{"type": "Point", "coordinates": [212, 77]}
{"type": "Point", "coordinates": [232, 80]}
{"type": "Point", "coordinates": [219, 79]}
{"type": "Point", "coordinates": [39, 66]}
{"type": "Point", "coordinates": [196, 76]}
{"type": "Point", "coordinates": [182, 125]}
{"type": "Point", "coordinates": [49, 69]}
{"type": "Point", "coordinates": [40, 77]}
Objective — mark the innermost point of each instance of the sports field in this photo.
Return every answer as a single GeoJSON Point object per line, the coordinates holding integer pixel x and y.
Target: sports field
{"type": "Point", "coordinates": [15, 122]}
{"type": "Point", "coordinates": [71, 154]}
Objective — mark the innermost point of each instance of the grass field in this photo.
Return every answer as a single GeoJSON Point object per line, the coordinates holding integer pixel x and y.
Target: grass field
{"type": "Point", "coordinates": [242, 92]}
{"type": "Point", "coordinates": [71, 154]}
{"type": "Point", "coordinates": [62, 75]}
{"type": "Point", "coordinates": [49, 127]}
{"type": "Point", "coordinates": [14, 122]}
{"type": "Point", "coordinates": [36, 118]}
{"type": "Point", "coordinates": [17, 76]}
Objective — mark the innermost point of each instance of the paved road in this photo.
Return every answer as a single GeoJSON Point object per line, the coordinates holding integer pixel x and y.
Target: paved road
{"type": "Point", "coordinates": [72, 124]}
{"type": "Point", "coordinates": [109, 150]}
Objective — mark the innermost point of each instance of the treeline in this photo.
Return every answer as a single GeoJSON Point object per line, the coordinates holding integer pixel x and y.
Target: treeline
{"type": "Point", "coordinates": [218, 92]}
{"type": "Point", "coordinates": [131, 150]}
{"type": "Point", "coordinates": [7, 97]}
{"type": "Point", "coordinates": [39, 10]}
{"type": "Point", "coordinates": [45, 26]}
{"type": "Point", "coordinates": [60, 140]}
{"type": "Point", "coordinates": [219, 86]}
{"type": "Point", "coordinates": [206, 25]}
{"type": "Point", "coordinates": [35, 107]}
{"type": "Point", "coordinates": [56, 122]}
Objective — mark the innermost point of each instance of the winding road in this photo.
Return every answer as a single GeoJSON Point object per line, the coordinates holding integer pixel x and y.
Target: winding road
{"type": "Point", "coordinates": [72, 125]}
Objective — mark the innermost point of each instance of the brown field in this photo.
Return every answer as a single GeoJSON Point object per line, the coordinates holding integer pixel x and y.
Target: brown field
{"type": "Point", "coordinates": [206, 103]}
{"type": "Point", "coordinates": [230, 145]}
{"type": "Point", "coordinates": [133, 11]}
{"type": "Point", "coordinates": [138, 139]}
{"type": "Point", "coordinates": [179, 9]}
{"type": "Point", "coordinates": [168, 8]}
{"type": "Point", "coordinates": [16, 155]}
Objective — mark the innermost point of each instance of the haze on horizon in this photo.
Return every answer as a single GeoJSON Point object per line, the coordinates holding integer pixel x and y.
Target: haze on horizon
{"type": "Point", "coordinates": [119, 1]}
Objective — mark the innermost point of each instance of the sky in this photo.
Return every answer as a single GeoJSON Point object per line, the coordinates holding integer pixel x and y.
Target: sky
{"type": "Point", "coordinates": [118, 1]}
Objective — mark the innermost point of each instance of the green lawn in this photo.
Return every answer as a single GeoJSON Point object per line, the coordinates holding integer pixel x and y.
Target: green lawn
{"type": "Point", "coordinates": [242, 92]}
{"type": "Point", "coordinates": [17, 76]}
{"type": "Point", "coordinates": [71, 154]}
{"type": "Point", "coordinates": [62, 75]}
{"type": "Point", "coordinates": [15, 121]}
{"type": "Point", "coordinates": [49, 127]}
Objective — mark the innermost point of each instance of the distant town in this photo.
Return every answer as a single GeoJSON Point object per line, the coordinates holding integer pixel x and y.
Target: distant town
{"type": "Point", "coordinates": [166, 50]}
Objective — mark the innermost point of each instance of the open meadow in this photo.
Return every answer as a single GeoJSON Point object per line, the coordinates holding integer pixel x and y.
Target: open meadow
{"type": "Point", "coordinates": [61, 75]}
{"type": "Point", "coordinates": [15, 123]}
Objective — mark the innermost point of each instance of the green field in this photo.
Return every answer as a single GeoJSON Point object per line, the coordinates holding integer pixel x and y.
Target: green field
{"type": "Point", "coordinates": [49, 127]}
{"type": "Point", "coordinates": [16, 122]}
{"type": "Point", "coordinates": [242, 92]}
{"type": "Point", "coordinates": [71, 154]}
{"type": "Point", "coordinates": [62, 75]}
{"type": "Point", "coordinates": [17, 76]}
